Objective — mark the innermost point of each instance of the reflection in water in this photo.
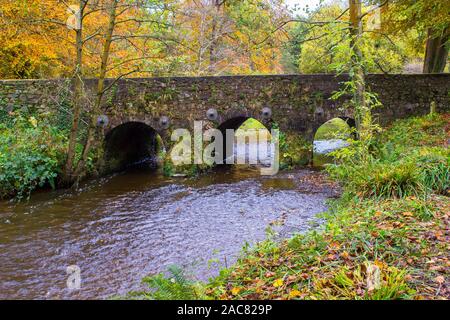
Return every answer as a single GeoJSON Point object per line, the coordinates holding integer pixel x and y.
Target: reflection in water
{"type": "Point", "coordinates": [124, 227]}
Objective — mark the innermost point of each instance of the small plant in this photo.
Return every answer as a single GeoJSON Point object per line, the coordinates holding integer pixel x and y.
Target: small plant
{"type": "Point", "coordinates": [175, 286]}
{"type": "Point", "coordinates": [435, 170]}
{"type": "Point", "coordinates": [401, 162]}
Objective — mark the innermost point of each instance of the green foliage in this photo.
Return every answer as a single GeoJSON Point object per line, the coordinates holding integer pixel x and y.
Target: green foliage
{"type": "Point", "coordinates": [175, 286]}
{"type": "Point", "coordinates": [292, 48]}
{"type": "Point", "coordinates": [168, 168]}
{"type": "Point", "coordinates": [380, 179]}
{"type": "Point", "coordinates": [252, 124]}
{"type": "Point", "coordinates": [421, 14]}
{"type": "Point", "coordinates": [401, 162]}
{"type": "Point", "coordinates": [434, 166]}
{"type": "Point", "coordinates": [329, 46]}
{"type": "Point", "coordinates": [31, 153]}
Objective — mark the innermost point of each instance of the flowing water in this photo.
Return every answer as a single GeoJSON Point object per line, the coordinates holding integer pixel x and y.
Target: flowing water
{"type": "Point", "coordinates": [126, 226]}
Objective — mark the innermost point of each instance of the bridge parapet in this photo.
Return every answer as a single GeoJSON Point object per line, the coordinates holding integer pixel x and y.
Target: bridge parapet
{"type": "Point", "coordinates": [299, 103]}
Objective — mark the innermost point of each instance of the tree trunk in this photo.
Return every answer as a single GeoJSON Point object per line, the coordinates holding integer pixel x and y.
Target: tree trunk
{"type": "Point", "coordinates": [362, 113]}
{"type": "Point", "coordinates": [77, 98]}
{"type": "Point", "coordinates": [436, 54]}
{"type": "Point", "coordinates": [214, 43]}
{"type": "Point", "coordinates": [100, 91]}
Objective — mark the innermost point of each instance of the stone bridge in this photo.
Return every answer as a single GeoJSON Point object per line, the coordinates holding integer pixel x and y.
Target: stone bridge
{"type": "Point", "coordinates": [299, 104]}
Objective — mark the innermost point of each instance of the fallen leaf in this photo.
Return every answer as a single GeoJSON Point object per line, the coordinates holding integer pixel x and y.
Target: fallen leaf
{"type": "Point", "coordinates": [345, 255]}
{"type": "Point", "coordinates": [278, 283]}
{"type": "Point", "coordinates": [294, 294]}
{"type": "Point", "coordinates": [235, 291]}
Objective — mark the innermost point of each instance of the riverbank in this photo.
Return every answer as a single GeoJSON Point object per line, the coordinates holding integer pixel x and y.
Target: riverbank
{"type": "Point", "coordinates": [387, 237]}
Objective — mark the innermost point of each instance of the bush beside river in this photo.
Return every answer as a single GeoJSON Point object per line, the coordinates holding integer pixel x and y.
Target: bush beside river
{"type": "Point", "coordinates": [32, 152]}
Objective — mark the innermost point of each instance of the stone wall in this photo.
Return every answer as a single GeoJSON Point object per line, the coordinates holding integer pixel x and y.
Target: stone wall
{"type": "Point", "coordinates": [299, 103]}
{"type": "Point", "coordinates": [32, 94]}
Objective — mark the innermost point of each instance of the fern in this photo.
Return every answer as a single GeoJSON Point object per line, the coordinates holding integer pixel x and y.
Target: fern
{"type": "Point", "coordinates": [176, 286]}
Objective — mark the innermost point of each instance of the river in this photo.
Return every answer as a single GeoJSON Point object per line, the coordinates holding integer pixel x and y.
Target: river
{"type": "Point", "coordinates": [123, 227]}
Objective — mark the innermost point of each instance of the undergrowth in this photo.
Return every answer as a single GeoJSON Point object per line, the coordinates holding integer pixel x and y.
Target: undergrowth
{"type": "Point", "coordinates": [31, 156]}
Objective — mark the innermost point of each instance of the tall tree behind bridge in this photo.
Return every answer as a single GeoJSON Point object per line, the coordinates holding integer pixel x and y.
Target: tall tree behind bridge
{"type": "Point", "coordinates": [224, 36]}
{"type": "Point", "coordinates": [34, 40]}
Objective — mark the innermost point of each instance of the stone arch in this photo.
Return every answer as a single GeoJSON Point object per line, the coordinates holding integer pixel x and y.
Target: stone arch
{"type": "Point", "coordinates": [130, 143]}
{"type": "Point", "coordinates": [331, 135]}
{"type": "Point", "coordinates": [234, 123]}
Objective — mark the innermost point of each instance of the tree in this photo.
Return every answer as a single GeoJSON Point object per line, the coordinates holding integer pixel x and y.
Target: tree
{"type": "Point", "coordinates": [127, 23]}
{"type": "Point", "coordinates": [430, 17]}
{"type": "Point", "coordinates": [29, 47]}
{"type": "Point", "coordinates": [362, 113]}
{"type": "Point", "coordinates": [436, 53]}
{"type": "Point", "coordinates": [329, 47]}
{"type": "Point", "coordinates": [112, 16]}
{"type": "Point", "coordinates": [103, 38]}
{"type": "Point", "coordinates": [292, 49]}
{"type": "Point", "coordinates": [79, 15]}
{"type": "Point", "coordinates": [228, 37]}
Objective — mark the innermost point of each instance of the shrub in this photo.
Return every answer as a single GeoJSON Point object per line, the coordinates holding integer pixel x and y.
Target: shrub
{"type": "Point", "coordinates": [31, 154]}
{"type": "Point", "coordinates": [403, 161]}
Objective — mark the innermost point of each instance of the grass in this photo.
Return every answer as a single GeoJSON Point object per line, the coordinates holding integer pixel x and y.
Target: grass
{"type": "Point", "coordinates": [252, 127]}
{"type": "Point", "coordinates": [385, 238]}
{"type": "Point", "coordinates": [252, 124]}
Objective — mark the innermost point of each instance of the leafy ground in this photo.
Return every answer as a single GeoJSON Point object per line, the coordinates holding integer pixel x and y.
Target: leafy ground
{"type": "Point", "coordinates": [387, 237]}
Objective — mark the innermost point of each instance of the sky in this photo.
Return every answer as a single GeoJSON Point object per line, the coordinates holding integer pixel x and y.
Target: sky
{"type": "Point", "coordinates": [302, 3]}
